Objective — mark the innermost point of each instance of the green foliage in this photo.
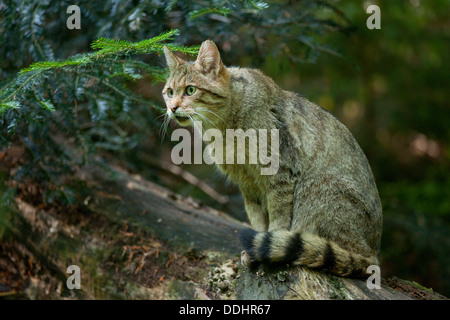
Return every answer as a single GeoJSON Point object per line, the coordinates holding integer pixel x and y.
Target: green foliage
{"type": "Point", "coordinates": [220, 11]}
{"type": "Point", "coordinates": [8, 105]}
{"type": "Point", "coordinates": [113, 49]}
{"type": "Point", "coordinates": [109, 53]}
{"type": "Point", "coordinates": [45, 65]}
{"type": "Point", "coordinates": [89, 104]}
{"type": "Point", "coordinates": [117, 47]}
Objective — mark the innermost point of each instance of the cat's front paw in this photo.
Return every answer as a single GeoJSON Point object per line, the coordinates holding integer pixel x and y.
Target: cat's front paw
{"type": "Point", "coordinates": [245, 259]}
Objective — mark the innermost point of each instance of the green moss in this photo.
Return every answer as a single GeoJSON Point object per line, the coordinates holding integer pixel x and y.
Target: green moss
{"type": "Point", "coordinates": [338, 292]}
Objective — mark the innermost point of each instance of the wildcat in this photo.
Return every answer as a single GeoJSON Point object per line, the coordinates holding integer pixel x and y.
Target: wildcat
{"type": "Point", "coordinates": [322, 208]}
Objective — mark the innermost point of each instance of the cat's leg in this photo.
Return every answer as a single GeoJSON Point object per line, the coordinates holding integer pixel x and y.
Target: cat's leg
{"type": "Point", "coordinates": [279, 217]}
{"type": "Point", "coordinates": [280, 206]}
{"type": "Point", "coordinates": [258, 220]}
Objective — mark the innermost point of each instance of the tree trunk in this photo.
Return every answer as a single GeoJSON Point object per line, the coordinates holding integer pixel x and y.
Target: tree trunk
{"type": "Point", "coordinates": [133, 239]}
{"type": "Point", "coordinates": [305, 284]}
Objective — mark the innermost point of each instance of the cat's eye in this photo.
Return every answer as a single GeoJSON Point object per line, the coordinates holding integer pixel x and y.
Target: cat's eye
{"type": "Point", "coordinates": [190, 90]}
{"type": "Point", "coordinates": [170, 92]}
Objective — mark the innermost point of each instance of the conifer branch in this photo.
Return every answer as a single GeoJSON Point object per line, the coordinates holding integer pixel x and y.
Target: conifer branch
{"type": "Point", "coordinates": [13, 93]}
{"type": "Point", "coordinates": [110, 47]}
{"type": "Point", "coordinates": [106, 49]}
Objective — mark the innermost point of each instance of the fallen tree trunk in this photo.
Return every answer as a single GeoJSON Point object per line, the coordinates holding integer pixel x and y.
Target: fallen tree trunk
{"type": "Point", "coordinates": [135, 239]}
{"type": "Point", "coordinates": [305, 284]}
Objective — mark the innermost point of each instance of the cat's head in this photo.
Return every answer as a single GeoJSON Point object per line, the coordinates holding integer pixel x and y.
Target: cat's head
{"type": "Point", "coordinates": [197, 91]}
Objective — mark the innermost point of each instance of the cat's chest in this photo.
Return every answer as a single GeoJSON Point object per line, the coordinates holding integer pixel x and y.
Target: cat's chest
{"type": "Point", "coordinates": [246, 176]}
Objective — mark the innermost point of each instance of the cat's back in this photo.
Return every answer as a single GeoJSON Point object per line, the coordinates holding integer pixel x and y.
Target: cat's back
{"type": "Point", "coordinates": [253, 83]}
{"type": "Point", "coordinates": [328, 151]}
{"type": "Point", "coordinates": [310, 134]}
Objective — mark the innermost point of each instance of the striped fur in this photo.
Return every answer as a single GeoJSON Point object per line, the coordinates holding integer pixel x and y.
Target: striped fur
{"type": "Point", "coordinates": [295, 248]}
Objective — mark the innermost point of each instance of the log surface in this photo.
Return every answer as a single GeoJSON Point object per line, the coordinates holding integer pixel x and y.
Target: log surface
{"type": "Point", "coordinates": [134, 239]}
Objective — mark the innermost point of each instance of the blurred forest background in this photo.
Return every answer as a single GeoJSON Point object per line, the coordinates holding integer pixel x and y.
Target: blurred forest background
{"type": "Point", "coordinates": [390, 87]}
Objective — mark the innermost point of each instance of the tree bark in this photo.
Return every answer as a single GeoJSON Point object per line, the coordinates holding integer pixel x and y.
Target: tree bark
{"type": "Point", "coordinates": [133, 239]}
{"type": "Point", "coordinates": [304, 284]}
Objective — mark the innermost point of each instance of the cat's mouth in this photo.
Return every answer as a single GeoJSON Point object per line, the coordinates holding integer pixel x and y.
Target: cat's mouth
{"type": "Point", "coordinates": [182, 120]}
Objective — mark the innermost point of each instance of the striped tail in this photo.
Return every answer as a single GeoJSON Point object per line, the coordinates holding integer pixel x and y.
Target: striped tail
{"type": "Point", "coordinates": [289, 247]}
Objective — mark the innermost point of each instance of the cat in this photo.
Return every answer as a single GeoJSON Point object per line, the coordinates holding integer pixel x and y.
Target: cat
{"type": "Point", "coordinates": [322, 208]}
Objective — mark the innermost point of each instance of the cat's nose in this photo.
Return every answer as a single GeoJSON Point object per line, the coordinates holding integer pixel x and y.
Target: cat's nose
{"type": "Point", "coordinates": [174, 108]}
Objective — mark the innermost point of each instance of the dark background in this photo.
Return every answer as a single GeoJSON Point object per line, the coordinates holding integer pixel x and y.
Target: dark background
{"type": "Point", "coordinates": [388, 86]}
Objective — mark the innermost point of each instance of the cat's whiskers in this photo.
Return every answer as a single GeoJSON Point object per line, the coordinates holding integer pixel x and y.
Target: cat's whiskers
{"type": "Point", "coordinates": [212, 112]}
{"type": "Point", "coordinates": [164, 126]}
{"type": "Point", "coordinates": [161, 115]}
{"type": "Point", "coordinates": [205, 118]}
{"type": "Point", "coordinates": [194, 124]}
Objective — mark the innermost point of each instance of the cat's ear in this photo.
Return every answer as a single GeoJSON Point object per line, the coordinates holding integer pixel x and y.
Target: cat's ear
{"type": "Point", "coordinates": [208, 59]}
{"type": "Point", "coordinates": [172, 60]}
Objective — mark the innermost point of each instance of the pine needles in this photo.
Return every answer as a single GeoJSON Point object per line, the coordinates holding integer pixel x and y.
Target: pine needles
{"type": "Point", "coordinates": [116, 48]}
{"type": "Point", "coordinates": [108, 50]}
{"type": "Point", "coordinates": [84, 99]}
